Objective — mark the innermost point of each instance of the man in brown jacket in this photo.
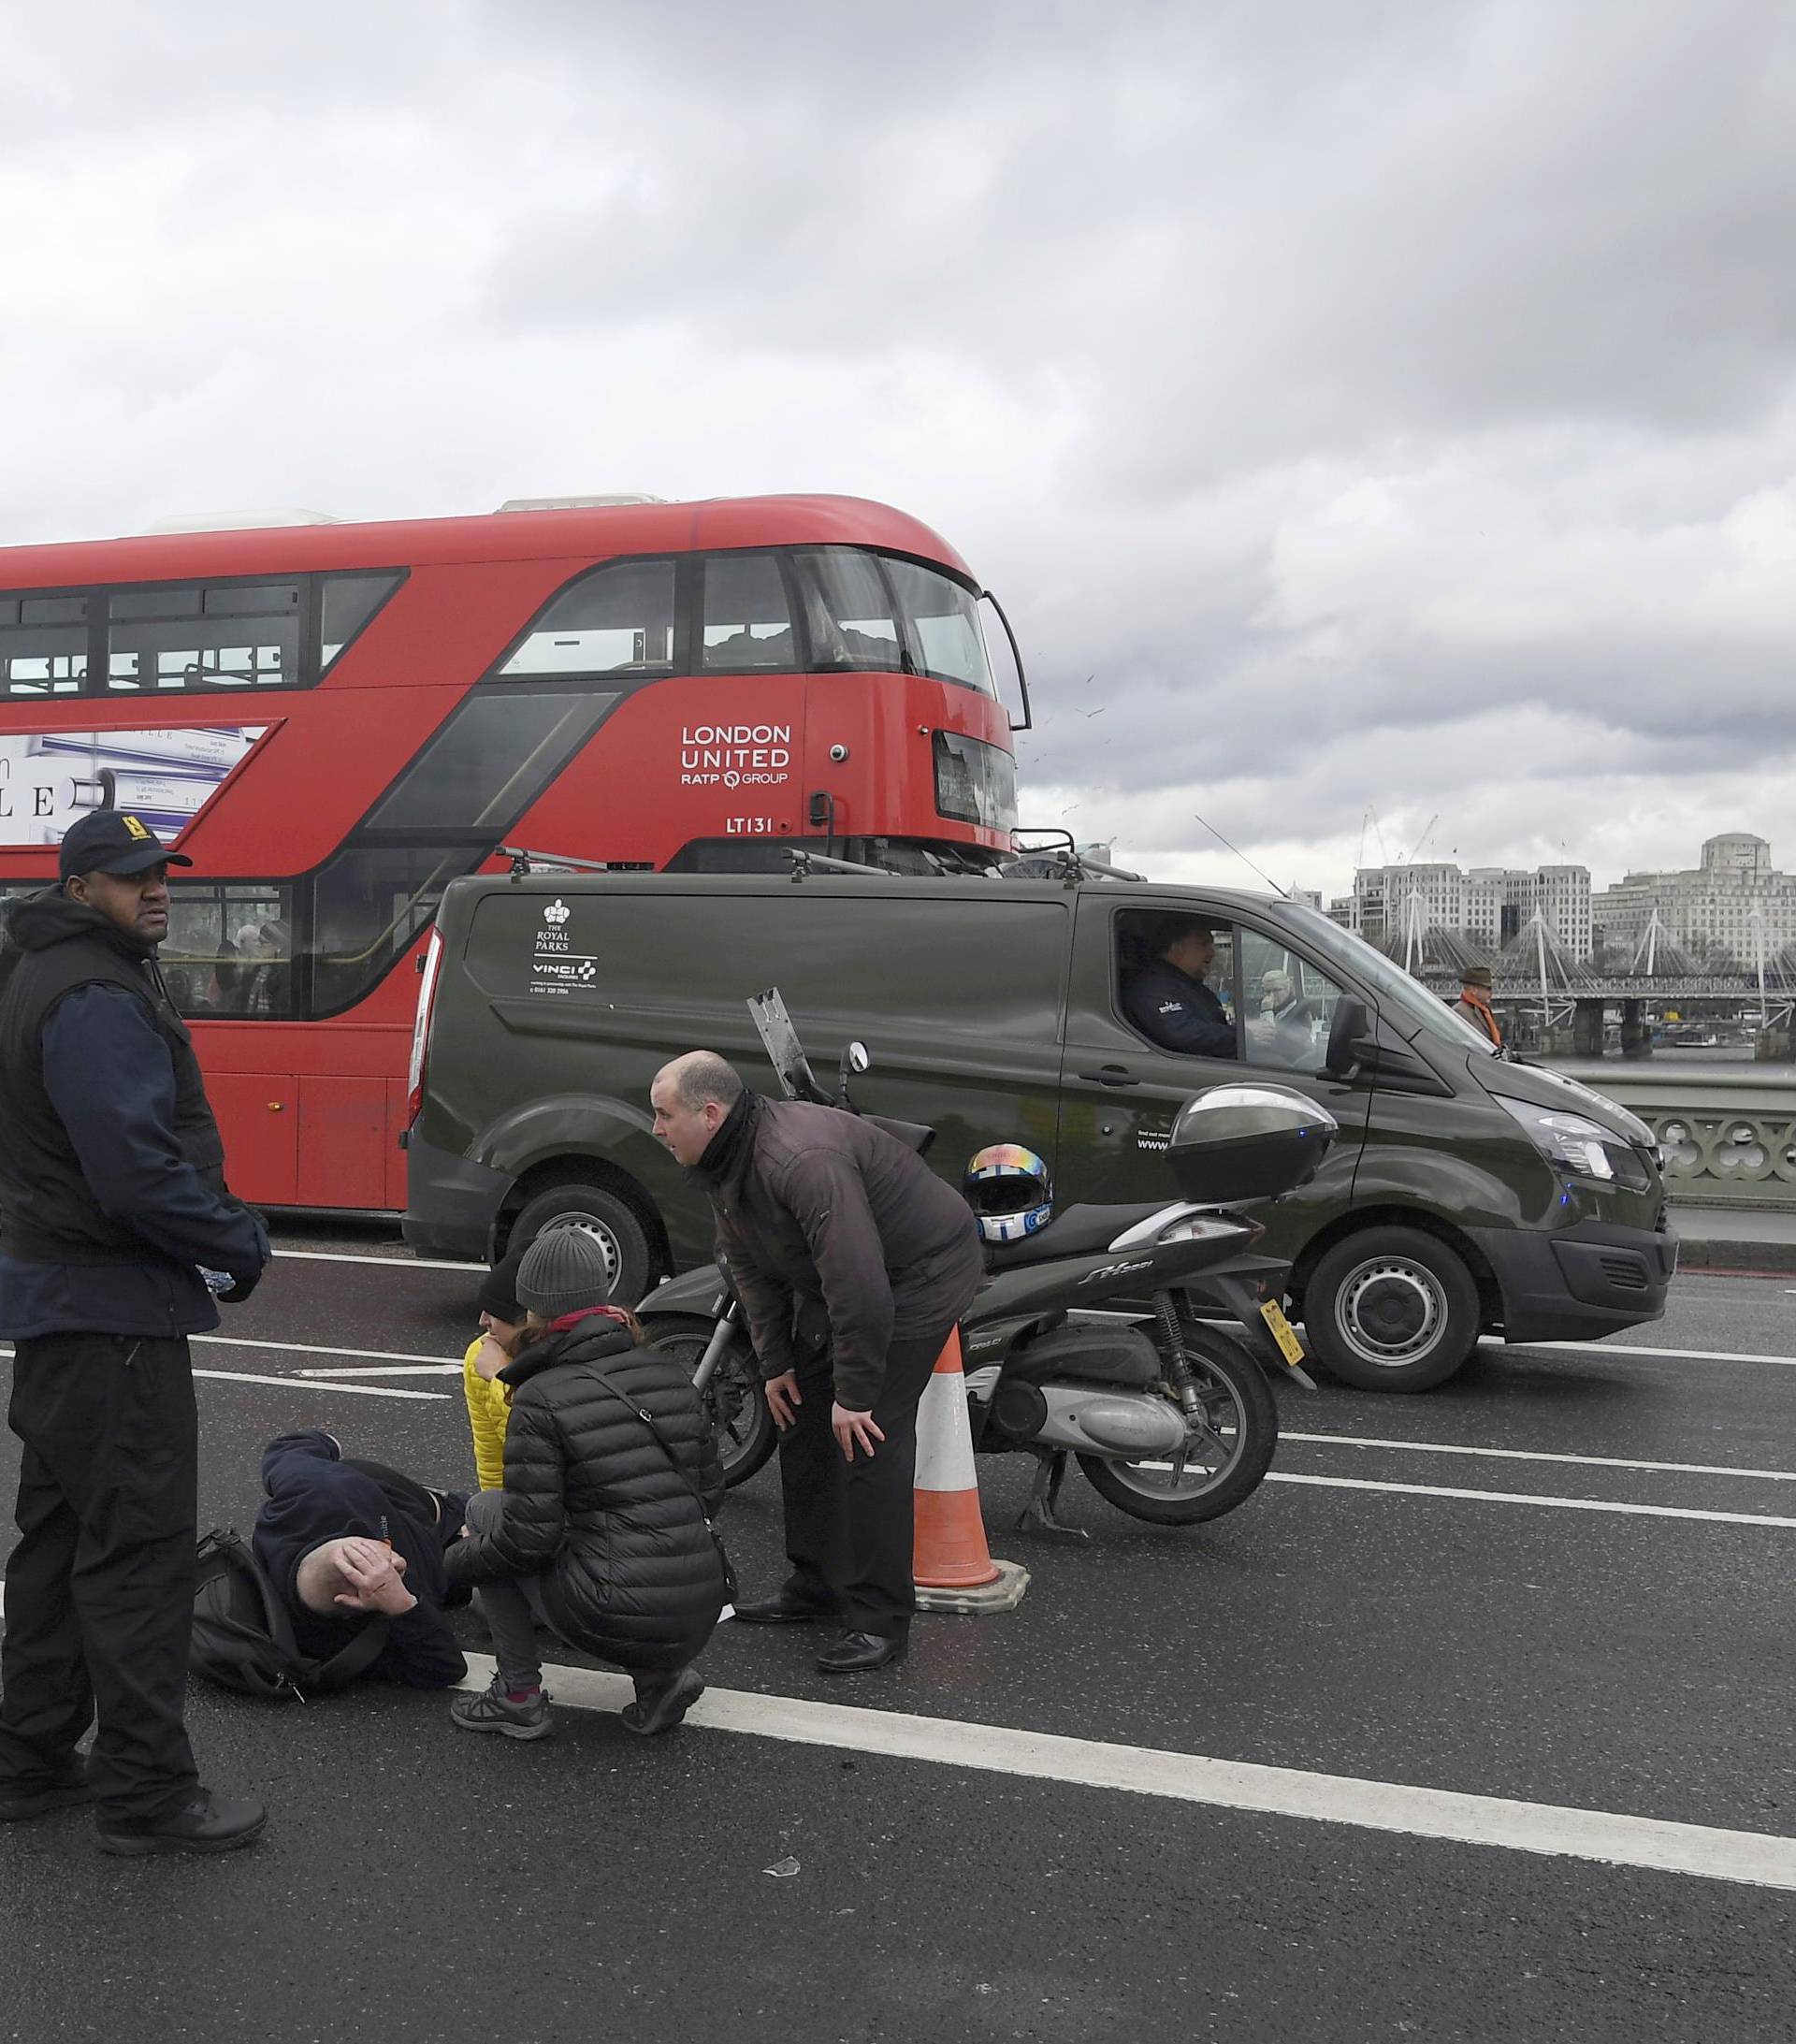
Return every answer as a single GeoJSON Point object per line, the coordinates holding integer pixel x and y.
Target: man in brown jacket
{"type": "Point", "coordinates": [817, 1209]}
{"type": "Point", "coordinates": [1473, 1003]}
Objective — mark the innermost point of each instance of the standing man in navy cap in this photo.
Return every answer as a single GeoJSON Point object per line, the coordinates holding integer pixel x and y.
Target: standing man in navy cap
{"type": "Point", "coordinates": [113, 1197]}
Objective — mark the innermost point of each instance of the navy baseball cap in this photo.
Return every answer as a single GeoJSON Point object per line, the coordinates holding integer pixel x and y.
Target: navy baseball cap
{"type": "Point", "coordinates": [114, 841]}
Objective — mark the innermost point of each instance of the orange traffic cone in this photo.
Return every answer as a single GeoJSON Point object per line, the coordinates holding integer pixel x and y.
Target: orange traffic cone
{"type": "Point", "coordinates": [951, 1565]}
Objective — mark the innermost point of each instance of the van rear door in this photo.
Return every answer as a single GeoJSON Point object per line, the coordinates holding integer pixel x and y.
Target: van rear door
{"type": "Point", "coordinates": [1120, 1091]}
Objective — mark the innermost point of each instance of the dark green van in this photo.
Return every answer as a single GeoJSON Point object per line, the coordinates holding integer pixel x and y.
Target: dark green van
{"type": "Point", "coordinates": [1468, 1192]}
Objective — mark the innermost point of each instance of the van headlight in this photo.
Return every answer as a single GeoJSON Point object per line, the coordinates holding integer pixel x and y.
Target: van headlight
{"type": "Point", "coordinates": [1578, 1145]}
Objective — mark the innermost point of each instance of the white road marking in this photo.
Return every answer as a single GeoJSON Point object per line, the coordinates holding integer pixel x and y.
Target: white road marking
{"type": "Point", "coordinates": [396, 1370]}
{"type": "Point", "coordinates": [1760, 1859]}
{"type": "Point", "coordinates": [320, 1380]}
{"type": "Point", "coordinates": [1523, 1497]}
{"type": "Point", "coordinates": [304, 1384]}
{"type": "Point", "coordinates": [1538, 1455]}
{"type": "Point", "coordinates": [315, 1348]}
{"type": "Point", "coordinates": [398, 1263]}
{"type": "Point", "coordinates": [1669, 1354]}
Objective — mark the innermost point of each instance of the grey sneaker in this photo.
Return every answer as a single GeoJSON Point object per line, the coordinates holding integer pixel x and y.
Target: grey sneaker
{"type": "Point", "coordinates": [492, 1710]}
{"type": "Point", "coordinates": [660, 1708]}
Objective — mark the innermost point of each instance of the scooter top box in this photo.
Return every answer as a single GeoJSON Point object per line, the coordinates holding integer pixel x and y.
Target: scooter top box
{"type": "Point", "coordinates": [1247, 1142]}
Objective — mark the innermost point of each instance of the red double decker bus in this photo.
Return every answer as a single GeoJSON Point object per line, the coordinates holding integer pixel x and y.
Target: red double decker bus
{"type": "Point", "coordinates": [335, 720]}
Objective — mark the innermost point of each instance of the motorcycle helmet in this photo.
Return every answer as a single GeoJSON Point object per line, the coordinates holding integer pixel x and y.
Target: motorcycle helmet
{"type": "Point", "coordinates": [1009, 1191]}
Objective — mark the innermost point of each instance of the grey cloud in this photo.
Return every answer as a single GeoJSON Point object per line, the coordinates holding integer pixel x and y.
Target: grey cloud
{"type": "Point", "coordinates": [1315, 375]}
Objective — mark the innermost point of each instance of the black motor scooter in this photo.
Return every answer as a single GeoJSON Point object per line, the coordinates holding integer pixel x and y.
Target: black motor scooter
{"type": "Point", "coordinates": [1169, 1416]}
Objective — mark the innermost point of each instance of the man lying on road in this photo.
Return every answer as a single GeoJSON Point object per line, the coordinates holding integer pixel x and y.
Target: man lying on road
{"type": "Point", "coordinates": [346, 1544]}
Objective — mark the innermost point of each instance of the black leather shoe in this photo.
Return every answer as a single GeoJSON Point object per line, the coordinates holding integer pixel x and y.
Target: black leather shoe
{"type": "Point", "coordinates": [61, 1793]}
{"type": "Point", "coordinates": [209, 1823]}
{"type": "Point", "coordinates": [855, 1653]}
{"type": "Point", "coordinates": [783, 1610]}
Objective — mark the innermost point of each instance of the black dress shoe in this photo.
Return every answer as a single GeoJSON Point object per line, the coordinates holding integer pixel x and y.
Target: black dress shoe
{"type": "Point", "coordinates": [783, 1610]}
{"type": "Point", "coordinates": [209, 1823]}
{"type": "Point", "coordinates": [61, 1793]}
{"type": "Point", "coordinates": [855, 1653]}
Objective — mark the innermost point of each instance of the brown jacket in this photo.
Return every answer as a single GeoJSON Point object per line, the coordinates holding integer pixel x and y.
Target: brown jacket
{"type": "Point", "coordinates": [816, 1204]}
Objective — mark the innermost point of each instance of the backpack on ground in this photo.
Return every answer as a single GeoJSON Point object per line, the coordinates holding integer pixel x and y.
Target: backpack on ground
{"type": "Point", "coordinates": [242, 1636]}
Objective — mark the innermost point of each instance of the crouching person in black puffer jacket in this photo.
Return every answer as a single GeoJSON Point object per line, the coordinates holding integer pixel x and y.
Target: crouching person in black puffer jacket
{"type": "Point", "coordinates": [603, 1530]}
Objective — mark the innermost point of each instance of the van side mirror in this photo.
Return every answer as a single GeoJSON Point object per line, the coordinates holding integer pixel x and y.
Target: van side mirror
{"type": "Point", "coordinates": [1347, 1029]}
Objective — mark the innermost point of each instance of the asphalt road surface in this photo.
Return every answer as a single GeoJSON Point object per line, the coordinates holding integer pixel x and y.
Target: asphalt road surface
{"type": "Point", "coordinates": [1475, 1722]}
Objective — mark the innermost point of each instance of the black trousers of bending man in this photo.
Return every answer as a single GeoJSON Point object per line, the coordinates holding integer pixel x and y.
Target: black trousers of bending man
{"type": "Point", "coordinates": [99, 1590]}
{"type": "Point", "coordinates": [850, 1527]}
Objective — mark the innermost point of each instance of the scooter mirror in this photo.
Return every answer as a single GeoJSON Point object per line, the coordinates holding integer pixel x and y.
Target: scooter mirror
{"type": "Point", "coordinates": [858, 1058]}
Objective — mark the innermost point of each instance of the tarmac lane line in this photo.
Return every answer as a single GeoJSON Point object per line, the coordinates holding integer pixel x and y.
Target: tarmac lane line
{"type": "Point", "coordinates": [1524, 1497]}
{"type": "Point", "coordinates": [315, 1384]}
{"type": "Point", "coordinates": [1540, 1454]}
{"type": "Point", "coordinates": [1669, 1354]}
{"type": "Point", "coordinates": [1756, 1859]}
{"type": "Point", "coordinates": [398, 1370]}
{"type": "Point", "coordinates": [315, 1348]}
{"type": "Point", "coordinates": [301, 1383]}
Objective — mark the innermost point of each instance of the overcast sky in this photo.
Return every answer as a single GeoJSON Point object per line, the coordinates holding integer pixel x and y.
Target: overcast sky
{"type": "Point", "coordinates": [1355, 402]}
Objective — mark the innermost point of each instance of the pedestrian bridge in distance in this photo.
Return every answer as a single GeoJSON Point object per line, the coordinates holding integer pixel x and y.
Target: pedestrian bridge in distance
{"type": "Point", "coordinates": [1727, 1133]}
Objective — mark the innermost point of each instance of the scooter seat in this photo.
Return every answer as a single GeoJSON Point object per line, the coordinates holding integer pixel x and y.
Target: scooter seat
{"type": "Point", "coordinates": [1080, 1231]}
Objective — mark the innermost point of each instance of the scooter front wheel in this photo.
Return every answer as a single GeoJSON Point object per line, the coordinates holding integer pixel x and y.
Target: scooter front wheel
{"type": "Point", "coordinates": [735, 1406]}
{"type": "Point", "coordinates": [1225, 1457]}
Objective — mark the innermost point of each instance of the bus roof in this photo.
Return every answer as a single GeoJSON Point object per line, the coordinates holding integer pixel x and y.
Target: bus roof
{"type": "Point", "coordinates": [586, 533]}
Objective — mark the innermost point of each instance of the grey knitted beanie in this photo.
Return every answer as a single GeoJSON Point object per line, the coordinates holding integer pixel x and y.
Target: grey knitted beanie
{"type": "Point", "coordinates": [563, 1271]}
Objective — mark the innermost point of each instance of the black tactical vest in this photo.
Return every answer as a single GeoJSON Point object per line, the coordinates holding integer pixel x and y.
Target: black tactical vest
{"type": "Point", "coordinates": [46, 1212]}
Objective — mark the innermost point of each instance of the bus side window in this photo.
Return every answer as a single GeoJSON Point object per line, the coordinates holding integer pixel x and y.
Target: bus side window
{"type": "Point", "coordinates": [748, 620]}
{"type": "Point", "coordinates": [612, 617]}
{"type": "Point", "coordinates": [43, 644]}
{"type": "Point", "coordinates": [233, 635]}
{"type": "Point", "coordinates": [852, 616]}
{"type": "Point", "coordinates": [229, 949]}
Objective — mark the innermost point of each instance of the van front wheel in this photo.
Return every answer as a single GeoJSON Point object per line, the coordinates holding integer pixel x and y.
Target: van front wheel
{"type": "Point", "coordinates": [1391, 1308]}
{"type": "Point", "coordinates": [609, 1220]}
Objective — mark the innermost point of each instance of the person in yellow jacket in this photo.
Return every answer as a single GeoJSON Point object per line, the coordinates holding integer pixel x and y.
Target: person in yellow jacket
{"type": "Point", "coordinates": [489, 1405]}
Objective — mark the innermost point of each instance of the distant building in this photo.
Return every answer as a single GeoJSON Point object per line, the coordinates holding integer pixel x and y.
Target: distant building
{"type": "Point", "coordinates": [1310, 896]}
{"type": "Point", "coordinates": [1709, 907]}
{"type": "Point", "coordinates": [1490, 904]}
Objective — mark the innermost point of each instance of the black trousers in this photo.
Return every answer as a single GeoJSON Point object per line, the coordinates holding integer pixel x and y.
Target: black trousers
{"type": "Point", "coordinates": [850, 1526]}
{"type": "Point", "coordinates": [100, 1588]}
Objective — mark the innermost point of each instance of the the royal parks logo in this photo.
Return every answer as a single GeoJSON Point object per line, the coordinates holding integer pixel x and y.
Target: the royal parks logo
{"type": "Point", "coordinates": [556, 966]}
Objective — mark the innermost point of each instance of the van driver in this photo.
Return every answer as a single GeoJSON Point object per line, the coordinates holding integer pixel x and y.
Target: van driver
{"type": "Point", "coordinates": [1166, 999]}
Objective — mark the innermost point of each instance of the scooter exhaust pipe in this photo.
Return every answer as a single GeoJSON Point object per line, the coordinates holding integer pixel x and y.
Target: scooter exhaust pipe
{"type": "Point", "coordinates": [1088, 1421]}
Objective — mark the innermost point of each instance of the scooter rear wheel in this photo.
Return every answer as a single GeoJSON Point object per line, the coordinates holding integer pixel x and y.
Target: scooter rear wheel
{"type": "Point", "coordinates": [735, 1407]}
{"type": "Point", "coordinates": [1217, 1474]}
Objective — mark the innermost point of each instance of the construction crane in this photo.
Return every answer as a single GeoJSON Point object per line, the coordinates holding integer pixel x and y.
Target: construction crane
{"type": "Point", "coordinates": [1426, 834]}
{"type": "Point", "coordinates": [1383, 851]}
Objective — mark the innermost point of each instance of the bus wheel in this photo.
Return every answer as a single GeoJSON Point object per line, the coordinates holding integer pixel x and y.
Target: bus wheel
{"type": "Point", "coordinates": [1391, 1308]}
{"type": "Point", "coordinates": [611, 1221]}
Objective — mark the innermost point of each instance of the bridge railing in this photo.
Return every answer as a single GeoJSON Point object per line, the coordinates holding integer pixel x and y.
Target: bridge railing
{"type": "Point", "coordinates": [1729, 1138]}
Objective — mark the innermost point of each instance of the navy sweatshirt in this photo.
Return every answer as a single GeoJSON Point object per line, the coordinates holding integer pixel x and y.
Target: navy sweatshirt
{"type": "Point", "coordinates": [314, 1496]}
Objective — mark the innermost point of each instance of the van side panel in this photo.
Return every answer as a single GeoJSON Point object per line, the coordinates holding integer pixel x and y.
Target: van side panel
{"type": "Point", "coordinates": [557, 1007]}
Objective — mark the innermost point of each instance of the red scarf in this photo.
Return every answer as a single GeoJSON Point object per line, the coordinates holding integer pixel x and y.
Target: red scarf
{"type": "Point", "coordinates": [587, 1312]}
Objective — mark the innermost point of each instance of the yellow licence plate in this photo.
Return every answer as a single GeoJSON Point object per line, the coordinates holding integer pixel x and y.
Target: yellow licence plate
{"type": "Point", "coordinates": [1283, 1333]}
